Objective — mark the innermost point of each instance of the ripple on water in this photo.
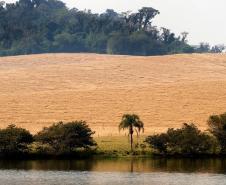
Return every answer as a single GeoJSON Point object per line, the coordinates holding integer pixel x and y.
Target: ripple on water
{"type": "Point", "coordinates": [32, 177]}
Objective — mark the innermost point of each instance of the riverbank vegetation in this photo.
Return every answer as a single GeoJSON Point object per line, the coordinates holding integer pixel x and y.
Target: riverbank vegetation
{"type": "Point", "coordinates": [64, 138]}
{"type": "Point", "coordinates": [186, 141]}
{"type": "Point", "coordinates": [14, 141]}
{"type": "Point", "coordinates": [190, 141]}
{"type": "Point", "coordinates": [44, 26]}
{"type": "Point", "coordinates": [75, 140]}
{"type": "Point", "coordinates": [60, 139]}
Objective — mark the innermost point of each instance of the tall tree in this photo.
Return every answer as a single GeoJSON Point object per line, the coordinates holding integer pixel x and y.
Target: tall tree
{"type": "Point", "coordinates": [131, 122]}
{"type": "Point", "coordinates": [145, 16]}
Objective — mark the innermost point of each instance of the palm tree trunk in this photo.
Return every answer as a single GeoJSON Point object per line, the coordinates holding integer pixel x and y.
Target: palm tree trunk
{"type": "Point", "coordinates": [131, 138]}
{"type": "Point", "coordinates": [131, 142]}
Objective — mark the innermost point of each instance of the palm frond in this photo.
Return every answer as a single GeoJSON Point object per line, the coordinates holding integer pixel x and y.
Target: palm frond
{"type": "Point", "coordinates": [131, 120]}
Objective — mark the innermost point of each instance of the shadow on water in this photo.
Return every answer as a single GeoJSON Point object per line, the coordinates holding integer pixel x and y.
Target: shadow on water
{"type": "Point", "coordinates": [121, 165]}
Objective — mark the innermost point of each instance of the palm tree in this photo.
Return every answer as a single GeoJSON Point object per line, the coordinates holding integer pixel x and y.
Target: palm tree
{"type": "Point", "coordinates": [131, 122]}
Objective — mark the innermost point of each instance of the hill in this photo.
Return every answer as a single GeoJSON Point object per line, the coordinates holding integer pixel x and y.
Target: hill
{"type": "Point", "coordinates": [37, 90]}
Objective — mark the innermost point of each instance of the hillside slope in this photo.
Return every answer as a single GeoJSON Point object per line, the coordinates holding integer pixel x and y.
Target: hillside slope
{"type": "Point", "coordinates": [165, 91]}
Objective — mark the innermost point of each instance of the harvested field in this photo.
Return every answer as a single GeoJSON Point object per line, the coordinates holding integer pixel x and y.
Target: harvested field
{"type": "Point", "coordinates": [37, 90]}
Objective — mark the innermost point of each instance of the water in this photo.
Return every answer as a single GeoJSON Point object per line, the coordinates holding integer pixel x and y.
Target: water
{"type": "Point", "coordinates": [114, 172]}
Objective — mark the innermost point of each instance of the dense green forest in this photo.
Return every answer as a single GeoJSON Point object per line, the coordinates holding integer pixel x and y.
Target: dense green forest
{"type": "Point", "coordinates": [43, 26]}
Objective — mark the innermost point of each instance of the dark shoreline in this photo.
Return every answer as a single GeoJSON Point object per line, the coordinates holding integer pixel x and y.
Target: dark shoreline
{"type": "Point", "coordinates": [95, 155]}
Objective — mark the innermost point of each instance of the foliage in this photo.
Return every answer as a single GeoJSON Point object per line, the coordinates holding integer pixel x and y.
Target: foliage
{"type": "Point", "coordinates": [218, 48]}
{"type": "Point", "coordinates": [185, 141]}
{"type": "Point", "coordinates": [41, 26]}
{"type": "Point", "coordinates": [14, 140]}
{"type": "Point", "coordinates": [131, 122]}
{"type": "Point", "coordinates": [206, 48]}
{"type": "Point", "coordinates": [217, 126]}
{"type": "Point", "coordinates": [67, 137]}
{"type": "Point", "coordinates": [158, 142]}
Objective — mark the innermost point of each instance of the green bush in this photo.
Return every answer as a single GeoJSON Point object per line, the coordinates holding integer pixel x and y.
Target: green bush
{"type": "Point", "coordinates": [217, 126]}
{"type": "Point", "coordinates": [66, 138]}
{"type": "Point", "coordinates": [14, 140]}
{"type": "Point", "coordinates": [188, 140]}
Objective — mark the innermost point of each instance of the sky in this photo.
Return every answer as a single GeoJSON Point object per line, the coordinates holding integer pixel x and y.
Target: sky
{"type": "Point", "coordinates": [203, 19]}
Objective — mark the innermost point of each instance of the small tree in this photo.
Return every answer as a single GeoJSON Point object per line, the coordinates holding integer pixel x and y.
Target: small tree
{"type": "Point", "coordinates": [67, 137]}
{"type": "Point", "coordinates": [14, 140]}
{"type": "Point", "coordinates": [217, 126]}
{"type": "Point", "coordinates": [131, 122]}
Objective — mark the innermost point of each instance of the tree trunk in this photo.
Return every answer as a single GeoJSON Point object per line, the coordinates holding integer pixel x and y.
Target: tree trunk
{"type": "Point", "coordinates": [131, 138]}
{"type": "Point", "coordinates": [131, 142]}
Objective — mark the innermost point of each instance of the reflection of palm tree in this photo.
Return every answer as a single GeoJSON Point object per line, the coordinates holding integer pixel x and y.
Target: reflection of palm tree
{"type": "Point", "coordinates": [131, 122]}
{"type": "Point", "coordinates": [131, 166]}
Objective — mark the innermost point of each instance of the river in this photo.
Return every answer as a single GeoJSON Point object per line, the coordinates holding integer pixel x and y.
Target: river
{"type": "Point", "coordinates": [114, 172]}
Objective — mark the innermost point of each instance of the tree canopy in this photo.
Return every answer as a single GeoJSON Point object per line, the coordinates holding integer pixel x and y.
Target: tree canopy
{"type": "Point", "coordinates": [188, 140]}
{"type": "Point", "coordinates": [43, 26]}
{"type": "Point", "coordinates": [14, 140]}
{"type": "Point", "coordinates": [67, 137]}
{"type": "Point", "coordinates": [131, 122]}
{"type": "Point", "coordinates": [217, 126]}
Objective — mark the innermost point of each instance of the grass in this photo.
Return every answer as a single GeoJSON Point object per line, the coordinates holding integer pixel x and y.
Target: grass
{"type": "Point", "coordinates": [120, 146]}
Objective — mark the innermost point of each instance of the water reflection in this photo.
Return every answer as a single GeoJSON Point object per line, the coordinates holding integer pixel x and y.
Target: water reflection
{"type": "Point", "coordinates": [121, 165]}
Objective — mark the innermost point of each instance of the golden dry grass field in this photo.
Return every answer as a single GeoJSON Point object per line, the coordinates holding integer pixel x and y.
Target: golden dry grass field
{"type": "Point", "coordinates": [165, 91]}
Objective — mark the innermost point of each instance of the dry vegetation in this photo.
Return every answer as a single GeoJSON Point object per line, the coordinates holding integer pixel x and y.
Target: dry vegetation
{"type": "Point", "coordinates": [165, 91]}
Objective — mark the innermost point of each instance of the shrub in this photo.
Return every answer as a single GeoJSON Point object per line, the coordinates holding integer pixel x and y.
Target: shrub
{"type": "Point", "coordinates": [188, 140]}
{"type": "Point", "coordinates": [67, 137]}
{"type": "Point", "coordinates": [217, 126]}
{"type": "Point", "coordinates": [14, 140]}
{"type": "Point", "coordinates": [158, 142]}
